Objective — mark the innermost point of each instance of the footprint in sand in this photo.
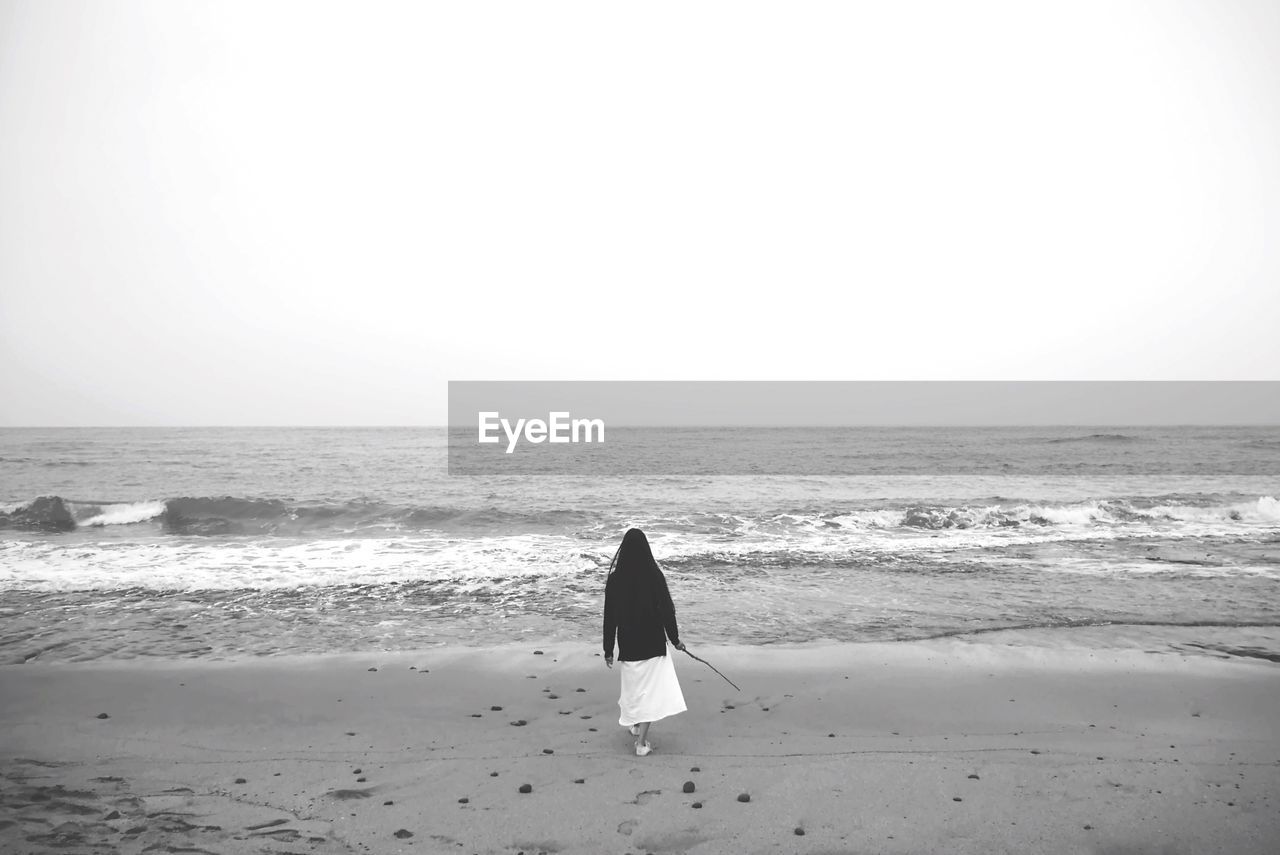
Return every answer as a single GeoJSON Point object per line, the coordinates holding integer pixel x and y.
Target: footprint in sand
{"type": "Point", "coordinates": [346, 795]}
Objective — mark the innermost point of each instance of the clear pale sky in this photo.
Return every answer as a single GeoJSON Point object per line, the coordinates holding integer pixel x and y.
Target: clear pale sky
{"type": "Point", "coordinates": [319, 213]}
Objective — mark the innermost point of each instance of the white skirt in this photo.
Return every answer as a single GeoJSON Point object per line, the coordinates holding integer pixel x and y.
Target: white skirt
{"type": "Point", "coordinates": [650, 690]}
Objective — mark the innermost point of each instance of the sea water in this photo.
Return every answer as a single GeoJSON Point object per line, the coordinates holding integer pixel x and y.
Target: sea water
{"type": "Point", "coordinates": [221, 542]}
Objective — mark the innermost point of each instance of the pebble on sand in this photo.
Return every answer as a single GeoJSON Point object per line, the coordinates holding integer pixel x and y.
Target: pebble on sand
{"type": "Point", "coordinates": [464, 800]}
{"type": "Point", "coordinates": [495, 709]}
{"type": "Point", "coordinates": [526, 788]}
{"type": "Point", "coordinates": [356, 771]}
{"type": "Point", "coordinates": [579, 690]}
{"type": "Point", "coordinates": [548, 751]}
{"type": "Point", "coordinates": [695, 768]}
{"type": "Point", "coordinates": [744, 797]}
{"type": "Point", "coordinates": [519, 723]}
{"type": "Point", "coordinates": [241, 781]}
{"type": "Point", "coordinates": [103, 715]}
{"type": "Point", "coordinates": [956, 799]}
{"type": "Point", "coordinates": [974, 778]}
{"type": "Point", "coordinates": [493, 774]}
{"type": "Point", "coordinates": [579, 780]}
{"type": "Point", "coordinates": [696, 805]}
{"type": "Point", "coordinates": [537, 653]}
{"type": "Point", "coordinates": [388, 803]}
{"type": "Point", "coordinates": [403, 833]}
{"type": "Point", "coordinates": [373, 669]}
{"type": "Point", "coordinates": [688, 786]}
{"type": "Point", "coordinates": [799, 831]}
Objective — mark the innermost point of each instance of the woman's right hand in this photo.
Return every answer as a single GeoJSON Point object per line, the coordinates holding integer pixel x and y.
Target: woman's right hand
{"type": "Point", "coordinates": [680, 646]}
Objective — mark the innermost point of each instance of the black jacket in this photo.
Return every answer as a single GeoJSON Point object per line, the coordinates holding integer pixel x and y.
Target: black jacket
{"type": "Point", "coordinates": [642, 624]}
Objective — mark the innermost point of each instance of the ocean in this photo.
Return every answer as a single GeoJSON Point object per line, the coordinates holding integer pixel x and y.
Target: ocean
{"type": "Point", "coordinates": [212, 543]}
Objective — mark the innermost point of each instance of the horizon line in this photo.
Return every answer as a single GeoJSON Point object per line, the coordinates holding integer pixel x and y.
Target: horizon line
{"type": "Point", "coordinates": [816, 426]}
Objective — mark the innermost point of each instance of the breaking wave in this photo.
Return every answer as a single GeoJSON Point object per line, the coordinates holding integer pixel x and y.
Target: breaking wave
{"type": "Point", "coordinates": [233, 516]}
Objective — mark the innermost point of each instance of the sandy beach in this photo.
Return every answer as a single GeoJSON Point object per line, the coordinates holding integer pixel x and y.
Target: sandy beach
{"type": "Point", "coordinates": [955, 746]}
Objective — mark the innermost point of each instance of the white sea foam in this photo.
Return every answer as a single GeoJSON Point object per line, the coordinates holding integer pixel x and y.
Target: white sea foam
{"type": "Point", "coordinates": [1077, 515]}
{"type": "Point", "coordinates": [1265, 510]}
{"type": "Point", "coordinates": [232, 565]}
{"type": "Point", "coordinates": [789, 539]}
{"type": "Point", "coordinates": [125, 514]}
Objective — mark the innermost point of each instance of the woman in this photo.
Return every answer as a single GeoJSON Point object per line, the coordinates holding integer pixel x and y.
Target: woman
{"type": "Point", "coordinates": [638, 608]}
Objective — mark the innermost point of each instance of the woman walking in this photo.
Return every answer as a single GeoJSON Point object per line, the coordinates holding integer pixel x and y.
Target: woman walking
{"type": "Point", "coordinates": [638, 608]}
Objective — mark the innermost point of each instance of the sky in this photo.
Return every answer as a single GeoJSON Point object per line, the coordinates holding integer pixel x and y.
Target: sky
{"type": "Point", "coordinates": [321, 213]}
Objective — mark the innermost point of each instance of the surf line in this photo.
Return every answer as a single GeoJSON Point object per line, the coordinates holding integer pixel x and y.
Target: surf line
{"type": "Point", "coordinates": [558, 427]}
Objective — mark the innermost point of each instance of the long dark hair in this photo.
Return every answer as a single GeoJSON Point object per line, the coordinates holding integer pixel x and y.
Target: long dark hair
{"type": "Point", "coordinates": [637, 581]}
{"type": "Point", "coordinates": [633, 557]}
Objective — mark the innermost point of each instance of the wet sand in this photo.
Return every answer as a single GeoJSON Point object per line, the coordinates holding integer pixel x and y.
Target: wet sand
{"type": "Point", "coordinates": [956, 746]}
